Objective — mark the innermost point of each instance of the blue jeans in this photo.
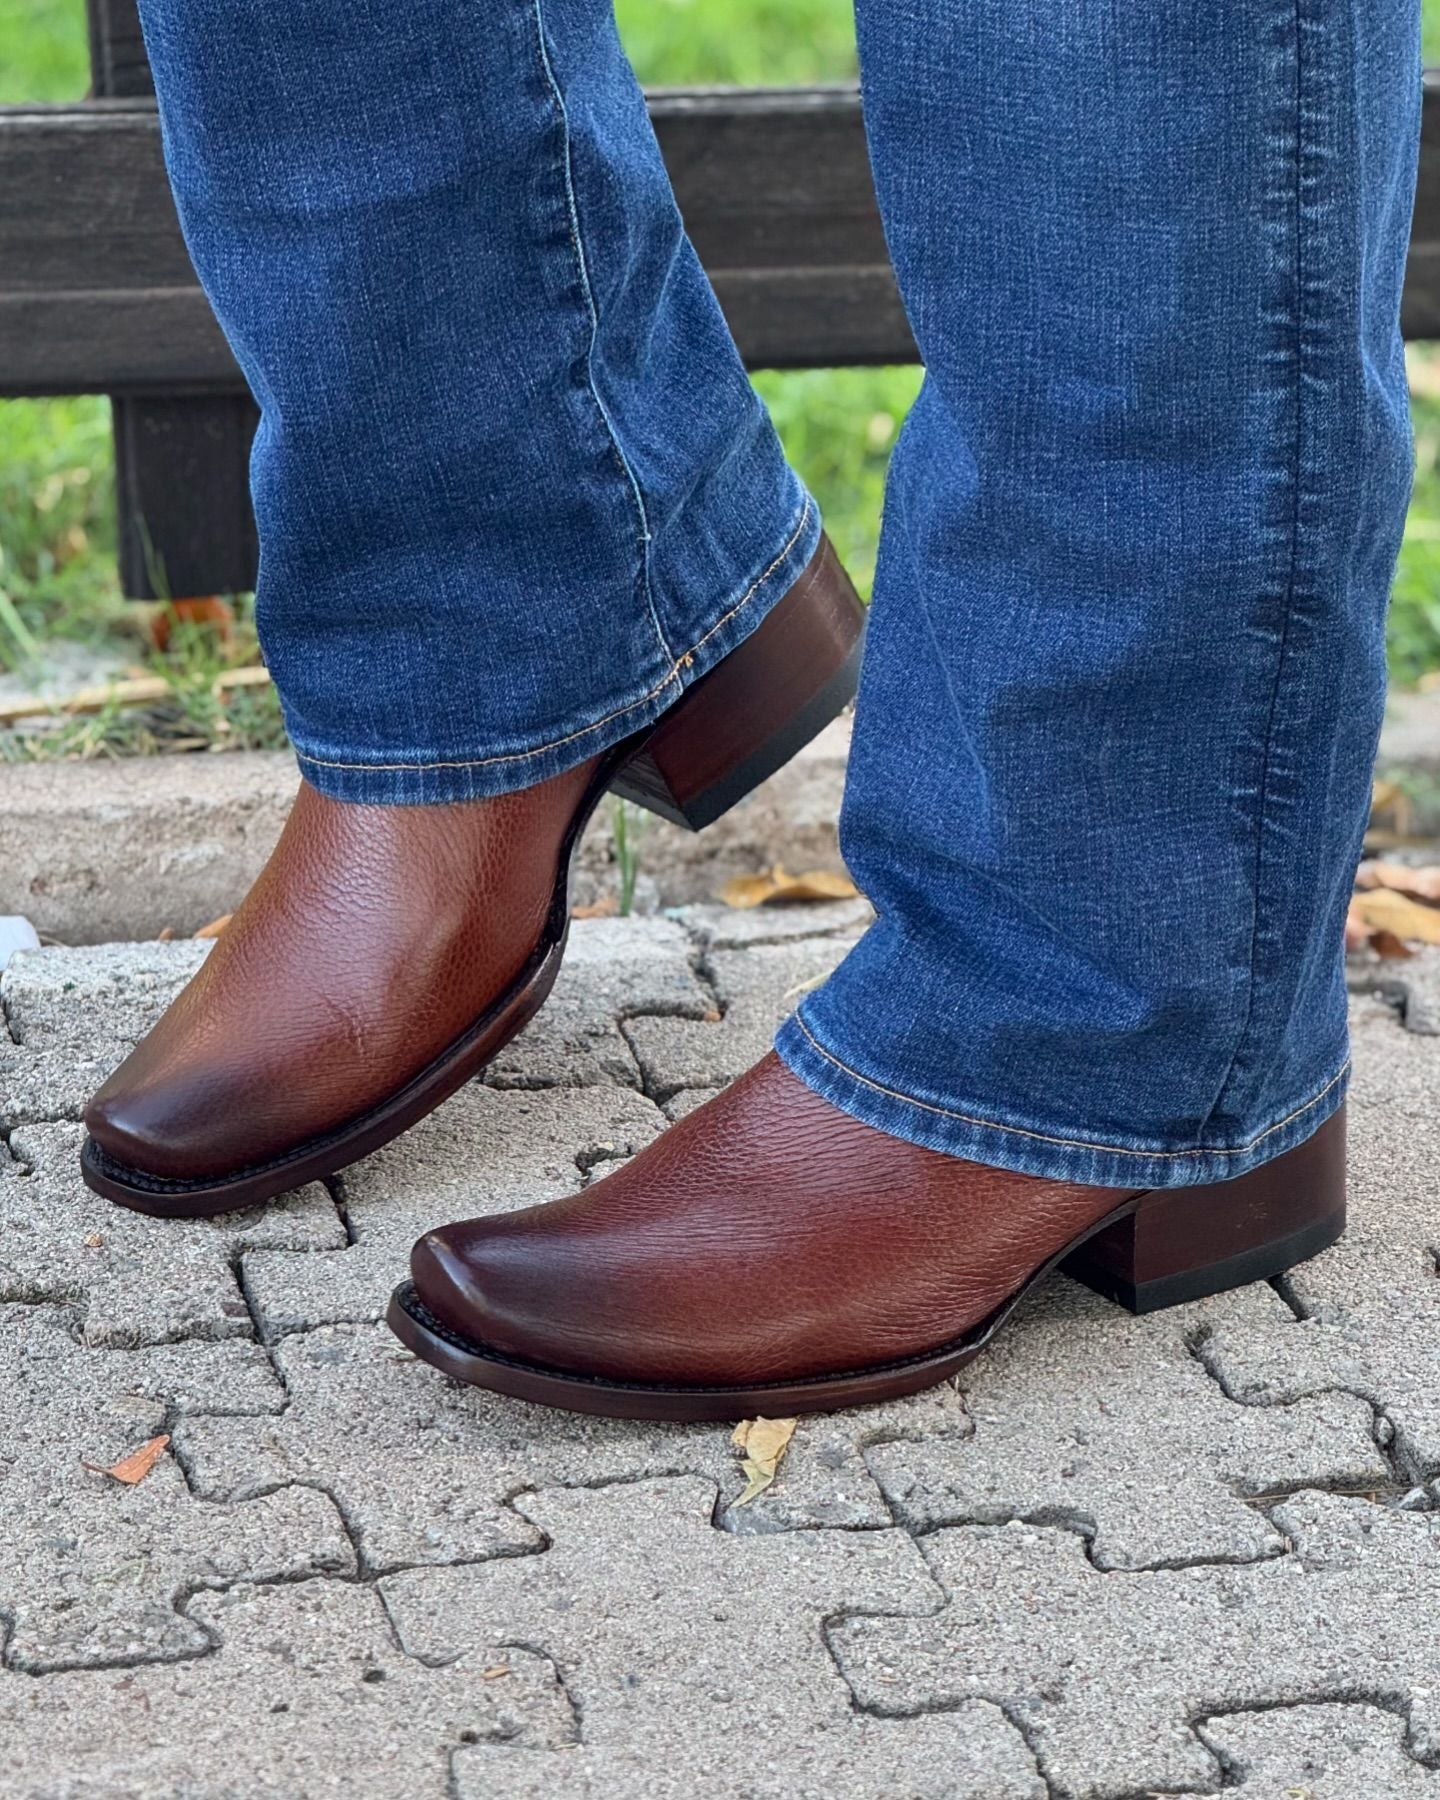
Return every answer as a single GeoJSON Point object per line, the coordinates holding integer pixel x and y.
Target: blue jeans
{"type": "Point", "coordinates": [1126, 664]}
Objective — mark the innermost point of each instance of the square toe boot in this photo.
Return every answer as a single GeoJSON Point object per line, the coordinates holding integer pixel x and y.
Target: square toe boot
{"type": "Point", "coordinates": [387, 953]}
{"type": "Point", "coordinates": [884, 1267]}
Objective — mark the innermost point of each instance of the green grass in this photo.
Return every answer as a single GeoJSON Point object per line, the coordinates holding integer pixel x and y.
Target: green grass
{"type": "Point", "coordinates": [57, 575]}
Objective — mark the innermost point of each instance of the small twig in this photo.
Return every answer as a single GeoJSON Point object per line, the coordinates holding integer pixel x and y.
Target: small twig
{"type": "Point", "coordinates": [141, 690]}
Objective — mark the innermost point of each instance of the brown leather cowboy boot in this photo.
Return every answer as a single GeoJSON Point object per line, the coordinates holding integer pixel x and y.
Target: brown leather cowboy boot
{"type": "Point", "coordinates": [771, 1255]}
{"type": "Point", "coordinates": [386, 953]}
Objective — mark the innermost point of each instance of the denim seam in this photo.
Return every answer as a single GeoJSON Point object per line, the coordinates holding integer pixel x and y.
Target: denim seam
{"type": "Point", "coordinates": [1043, 1137]}
{"type": "Point", "coordinates": [681, 662]}
{"type": "Point", "coordinates": [1297, 475]}
{"type": "Point", "coordinates": [587, 289]}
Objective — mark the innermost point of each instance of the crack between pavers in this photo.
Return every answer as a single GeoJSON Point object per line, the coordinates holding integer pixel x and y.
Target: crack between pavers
{"type": "Point", "coordinates": [1382, 1426]}
{"type": "Point", "coordinates": [6, 1020]}
{"type": "Point", "coordinates": [184, 1594]}
{"type": "Point", "coordinates": [334, 1186]}
{"type": "Point", "coordinates": [1003, 1703]}
{"type": "Point", "coordinates": [18, 1162]}
{"type": "Point", "coordinates": [1284, 1287]}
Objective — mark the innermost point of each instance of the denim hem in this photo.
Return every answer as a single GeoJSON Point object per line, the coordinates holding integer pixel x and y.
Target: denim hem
{"type": "Point", "coordinates": [446, 779]}
{"type": "Point", "coordinates": [1034, 1150]}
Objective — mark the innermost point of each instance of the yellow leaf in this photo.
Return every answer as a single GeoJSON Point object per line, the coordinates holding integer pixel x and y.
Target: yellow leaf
{"type": "Point", "coordinates": [135, 1467]}
{"type": "Point", "coordinates": [764, 1442]}
{"type": "Point", "coordinates": [1384, 910]}
{"type": "Point", "coordinates": [776, 886]}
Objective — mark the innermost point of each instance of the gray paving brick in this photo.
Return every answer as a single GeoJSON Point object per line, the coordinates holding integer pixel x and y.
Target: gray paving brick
{"type": "Point", "coordinates": [92, 1571]}
{"type": "Point", "coordinates": [1336, 1752]}
{"type": "Point", "coordinates": [98, 1000]}
{"type": "Point", "coordinates": [613, 969]}
{"type": "Point", "coordinates": [1372, 1303]}
{"type": "Point", "coordinates": [1109, 1670]}
{"type": "Point", "coordinates": [304, 1696]}
{"type": "Point", "coordinates": [733, 928]}
{"type": "Point", "coordinates": [72, 1015]}
{"type": "Point", "coordinates": [696, 1660]}
{"type": "Point", "coordinates": [1412, 987]}
{"type": "Point", "coordinates": [1135, 1444]}
{"type": "Point", "coordinates": [136, 1280]}
{"type": "Point", "coordinates": [757, 989]}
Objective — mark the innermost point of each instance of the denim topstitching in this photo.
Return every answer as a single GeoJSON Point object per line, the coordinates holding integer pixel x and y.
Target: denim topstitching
{"type": "Point", "coordinates": [1298, 364]}
{"type": "Point", "coordinates": [586, 288]}
{"type": "Point", "coordinates": [682, 662]}
{"type": "Point", "coordinates": [1046, 1137]}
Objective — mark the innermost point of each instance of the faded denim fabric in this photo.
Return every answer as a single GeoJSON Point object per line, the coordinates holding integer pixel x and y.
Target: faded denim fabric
{"type": "Point", "coordinates": [1126, 667]}
{"type": "Point", "coordinates": [513, 487]}
{"type": "Point", "coordinates": [1123, 688]}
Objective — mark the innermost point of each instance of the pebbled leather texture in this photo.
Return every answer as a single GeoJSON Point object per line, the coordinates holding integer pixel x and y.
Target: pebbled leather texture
{"type": "Point", "coordinates": [373, 937]}
{"type": "Point", "coordinates": [766, 1236]}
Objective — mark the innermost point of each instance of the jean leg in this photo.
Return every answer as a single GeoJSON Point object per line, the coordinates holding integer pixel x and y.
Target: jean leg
{"type": "Point", "coordinates": [1126, 665]}
{"type": "Point", "coordinates": [513, 487]}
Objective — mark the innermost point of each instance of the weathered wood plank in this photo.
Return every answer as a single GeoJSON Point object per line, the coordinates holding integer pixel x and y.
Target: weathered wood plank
{"type": "Point", "coordinates": [118, 64]}
{"type": "Point", "coordinates": [182, 499]}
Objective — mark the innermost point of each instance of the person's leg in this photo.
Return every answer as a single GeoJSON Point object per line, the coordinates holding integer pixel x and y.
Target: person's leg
{"type": "Point", "coordinates": [517, 502]}
{"type": "Point", "coordinates": [510, 472]}
{"type": "Point", "coordinates": [1139, 538]}
{"type": "Point", "coordinates": [1114, 740]}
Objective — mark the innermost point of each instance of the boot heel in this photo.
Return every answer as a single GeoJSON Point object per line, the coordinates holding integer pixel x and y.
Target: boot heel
{"type": "Point", "coordinates": [748, 715]}
{"type": "Point", "coordinates": [1183, 1243]}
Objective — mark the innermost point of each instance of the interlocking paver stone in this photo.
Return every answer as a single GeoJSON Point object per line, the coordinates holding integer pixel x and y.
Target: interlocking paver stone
{"type": "Point", "coordinates": [1372, 1303]}
{"type": "Point", "coordinates": [72, 1015]}
{"type": "Point", "coordinates": [729, 928]}
{"type": "Point", "coordinates": [1412, 986]}
{"type": "Point", "coordinates": [1135, 1445]}
{"type": "Point", "coordinates": [306, 1695]}
{"type": "Point", "coordinates": [1336, 1752]}
{"type": "Point", "coordinates": [136, 1280]}
{"type": "Point", "coordinates": [425, 1469]}
{"type": "Point", "coordinates": [1108, 1670]}
{"type": "Point", "coordinates": [486, 1150]}
{"type": "Point", "coordinates": [696, 1659]}
{"type": "Point", "coordinates": [613, 969]}
{"type": "Point", "coordinates": [100, 997]}
{"type": "Point", "coordinates": [93, 1571]}
{"type": "Point", "coordinates": [757, 989]}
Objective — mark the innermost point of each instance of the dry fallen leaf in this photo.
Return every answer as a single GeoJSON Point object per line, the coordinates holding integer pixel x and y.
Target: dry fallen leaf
{"type": "Point", "coordinates": [94, 1241]}
{"type": "Point", "coordinates": [1389, 797]}
{"type": "Point", "coordinates": [1419, 884]}
{"type": "Point", "coordinates": [215, 927]}
{"type": "Point", "coordinates": [137, 1465]}
{"type": "Point", "coordinates": [1387, 945]}
{"type": "Point", "coordinates": [599, 909]}
{"type": "Point", "coordinates": [495, 1673]}
{"type": "Point", "coordinates": [1384, 910]}
{"type": "Point", "coordinates": [764, 1442]}
{"type": "Point", "coordinates": [777, 886]}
